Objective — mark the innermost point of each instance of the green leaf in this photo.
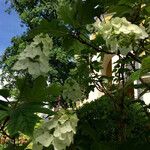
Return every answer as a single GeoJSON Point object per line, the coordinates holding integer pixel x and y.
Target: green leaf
{"type": "Point", "coordinates": [121, 2]}
{"type": "Point", "coordinates": [72, 91]}
{"type": "Point", "coordinates": [121, 11]}
{"type": "Point", "coordinates": [3, 114]}
{"type": "Point", "coordinates": [55, 89]}
{"type": "Point", "coordinates": [3, 105]}
{"type": "Point", "coordinates": [96, 65]}
{"type": "Point", "coordinates": [11, 146]}
{"type": "Point", "coordinates": [71, 44]}
{"type": "Point", "coordinates": [32, 107]}
{"type": "Point", "coordinates": [66, 12]}
{"type": "Point", "coordinates": [33, 91]}
{"type": "Point", "coordinates": [55, 28]}
{"type": "Point", "coordinates": [135, 75]}
{"type": "Point", "coordinates": [23, 121]}
{"type": "Point", "coordinates": [147, 8]}
{"type": "Point", "coordinates": [94, 7]}
{"type": "Point", "coordinates": [5, 93]}
{"type": "Point", "coordinates": [145, 68]}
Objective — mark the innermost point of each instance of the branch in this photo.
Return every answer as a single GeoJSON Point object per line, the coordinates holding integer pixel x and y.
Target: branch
{"type": "Point", "coordinates": [97, 49]}
{"type": "Point", "coordinates": [133, 57]}
{"type": "Point", "coordinates": [141, 94]}
{"type": "Point", "coordinates": [3, 126]}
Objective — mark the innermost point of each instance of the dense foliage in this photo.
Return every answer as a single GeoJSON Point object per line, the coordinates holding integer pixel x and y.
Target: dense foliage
{"type": "Point", "coordinates": [54, 66]}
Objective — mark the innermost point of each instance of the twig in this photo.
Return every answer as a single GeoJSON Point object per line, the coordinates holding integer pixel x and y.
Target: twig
{"type": "Point", "coordinates": [97, 49]}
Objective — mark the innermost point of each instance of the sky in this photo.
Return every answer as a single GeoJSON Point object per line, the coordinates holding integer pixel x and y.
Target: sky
{"type": "Point", "coordinates": [9, 26]}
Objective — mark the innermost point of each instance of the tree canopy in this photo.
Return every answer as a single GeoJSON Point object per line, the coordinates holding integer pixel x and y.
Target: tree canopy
{"type": "Point", "coordinates": [54, 66]}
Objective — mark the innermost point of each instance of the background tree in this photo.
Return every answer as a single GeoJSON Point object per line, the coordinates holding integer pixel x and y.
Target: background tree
{"type": "Point", "coordinates": [52, 65]}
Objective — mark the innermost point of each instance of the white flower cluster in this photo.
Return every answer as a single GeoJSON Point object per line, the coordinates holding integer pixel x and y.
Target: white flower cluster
{"type": "Point", "coordinates": [58, 132]}
{"type": "Point", "coordinates": [35, 57]}
{"type": "Point", "coordinates": [119, 33]}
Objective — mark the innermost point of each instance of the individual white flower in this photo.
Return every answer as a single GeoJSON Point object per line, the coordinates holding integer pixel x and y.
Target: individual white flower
{"type": "Point", "coordinates": [116, 22]}
{"type": "Point", "coordinates": [124, 29]}
{"type": "Point", "coordinates": [97, 24]}
{"type": "Point", "coordinates": [116, 31]}
{"type": "Point", "coordinates": [134, 28]}
{"type": "Point", "coordinates": [107, 28]}
{"type": "Point", "coordinates": [144, 35]}
{"type": "Point", "coordinates": [125, 21]}
{"type": "Point", "coordinates": [92, 36]}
